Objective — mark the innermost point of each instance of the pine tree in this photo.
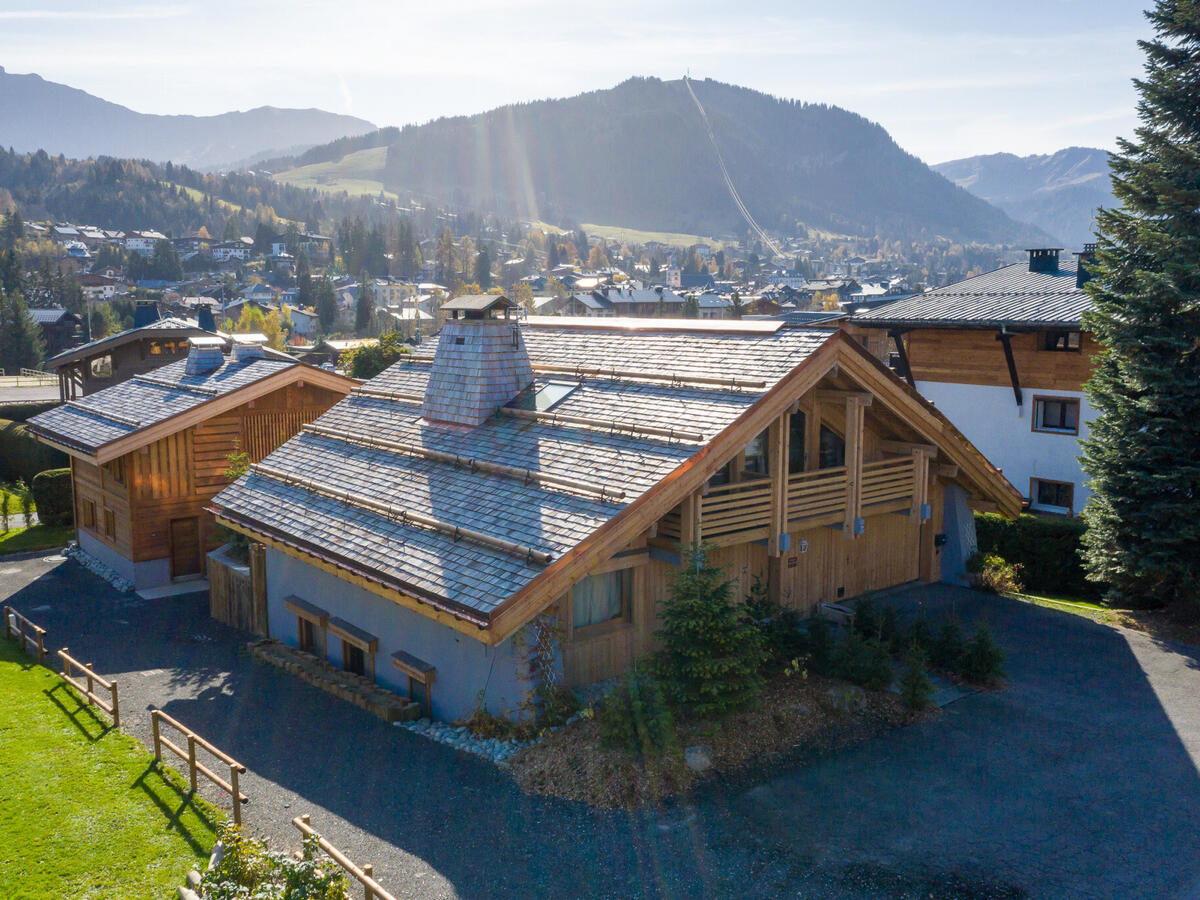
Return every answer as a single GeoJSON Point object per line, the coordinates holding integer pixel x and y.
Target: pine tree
{"type": "Point", "coordinates": [364, 307]}
{"type": "Point", "coordinates": [711, 654]}
{"type": "Point", "coordinates": [327, 311]}
{"type": "Point", "coordinates": [1143, 537]}
{"type": "Point", "coordinates": [483, 268]}
{"type": "Point", "coordinates": [21, 344]}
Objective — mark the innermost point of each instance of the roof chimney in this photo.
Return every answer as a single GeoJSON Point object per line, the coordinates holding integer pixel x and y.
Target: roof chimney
{"type": "Point", "coordinates": [1083, 264]}
{"type": "Point", "coordinates": [145, 312]}
{"type": "Point", "coordinates": [248, 347]}
{"type": "Point", "coordinates": [480, 363]}
{"type": "Point", "coordinates": [205, 319]}
{"type": "Point", "coordinates": [1044, 259]}
{"type": "Point", "coordinates": [204, 355]}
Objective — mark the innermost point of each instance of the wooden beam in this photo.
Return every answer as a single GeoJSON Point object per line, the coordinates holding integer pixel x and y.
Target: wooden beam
{"type": "Point", "coordinates": [1006, 339]}
{"type": "Point", "coordinates": [854, 463]}
{"type": "Point", "coordinates": [824, 395]}
{"type": "Point", "coordinates": [904, 448]}
{"type": "Point", "coordinates": [897, 337]}
{"type": "Point", "coordinates": [946, 470]}
{"type": "Point", "coordinates": [812, 435]}
{"type": "Point", "coordinates": [777, 459]}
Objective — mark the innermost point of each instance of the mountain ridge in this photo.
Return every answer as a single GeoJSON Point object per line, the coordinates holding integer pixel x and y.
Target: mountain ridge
{"type": "Point", "coordinates": [38, 114]}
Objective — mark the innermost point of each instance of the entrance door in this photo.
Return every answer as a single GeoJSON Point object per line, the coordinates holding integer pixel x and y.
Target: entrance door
{"type": "Point", "coordinates": [185, 547]}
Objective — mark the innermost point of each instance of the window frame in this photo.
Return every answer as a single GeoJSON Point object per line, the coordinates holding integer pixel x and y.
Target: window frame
{"type": "Point", "coordinates": [620, 620]}
{"type": "Point", "coordinates": [1052, 334]}
{"type": "Point", "coordinates": [87, 513]}
{"type": "Point", "coordinates": [110, 523]}
{"type": "Point", "coordinates": [1051, 509]}
{"type": "Point", "coordinates": [1035, 421]}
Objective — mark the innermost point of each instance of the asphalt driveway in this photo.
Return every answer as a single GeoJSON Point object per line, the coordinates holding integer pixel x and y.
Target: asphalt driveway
{"type": "Point", "coordinates": [1082, 779]}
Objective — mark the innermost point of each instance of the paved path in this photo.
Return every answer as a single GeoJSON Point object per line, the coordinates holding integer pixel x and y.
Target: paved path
{"type": "Point", "coordinates": [1080, 780]}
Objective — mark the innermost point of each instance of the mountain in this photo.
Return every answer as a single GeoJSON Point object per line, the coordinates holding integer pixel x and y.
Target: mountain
{"type": "Point", "coordinates": [36, 114]}
{"type": "Point", "coordinates": [638, 155]}
{"type": "Point", "coordinates": [1058, 192]}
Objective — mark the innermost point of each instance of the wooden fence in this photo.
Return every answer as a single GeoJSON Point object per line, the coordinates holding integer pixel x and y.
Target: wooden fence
{"type": "Point", "coordinates": [195, 767]}
{"type": "Point", "coordinates": [364, 874]}
{"type": "Point", "coordinates": [29, 635]}
{"type": "Point", "coordinates": [237, 594]}
{"type": "Point", "coordinates": [112, 705]}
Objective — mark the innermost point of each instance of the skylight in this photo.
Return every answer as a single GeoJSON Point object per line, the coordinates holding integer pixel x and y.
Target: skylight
{"type": "Point", "coordinates": [545, 397]}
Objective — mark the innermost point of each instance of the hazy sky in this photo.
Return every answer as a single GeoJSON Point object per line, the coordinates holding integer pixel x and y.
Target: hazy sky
{"type": "Point", "coordinates": [947, 78]}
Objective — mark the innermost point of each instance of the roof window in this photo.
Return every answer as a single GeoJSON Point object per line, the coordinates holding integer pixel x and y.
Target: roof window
{"type": "Point", "coordinates": [545, 397]}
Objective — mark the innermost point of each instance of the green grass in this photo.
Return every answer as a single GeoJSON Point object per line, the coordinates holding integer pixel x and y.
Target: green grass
{"type": "Point", "coordinates": [39, 537]}
{"type": "Point", "coordinates": [636, 236]}
{"type": "Point", "coordinates": [1086, 608]}
{"type": "Point", "coordinates": [13, 502]}
{"type": "Point", "coordinates": [354, 173]}
{"type": "Point", "coordinates": [84, 813]}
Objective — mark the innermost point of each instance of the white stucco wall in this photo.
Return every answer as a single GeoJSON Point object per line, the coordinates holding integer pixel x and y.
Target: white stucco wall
{"type": "Point", "coordinates": [464, 665]}
{"type": "Point", "coordinates": [1001, 430]}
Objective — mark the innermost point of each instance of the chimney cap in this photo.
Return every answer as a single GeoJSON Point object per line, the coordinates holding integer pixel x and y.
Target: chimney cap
{"type": "Point", "coordinates": [202, 342]}
{"type": "Point", "coordinates": [478, 303]}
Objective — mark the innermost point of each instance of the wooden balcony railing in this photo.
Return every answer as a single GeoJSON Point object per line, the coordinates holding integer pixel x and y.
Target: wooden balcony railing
{"type": "Point", "coordinates": [740, 512]}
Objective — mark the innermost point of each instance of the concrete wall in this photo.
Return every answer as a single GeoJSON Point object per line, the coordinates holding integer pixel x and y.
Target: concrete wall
{"type": "Point", "coordinates": [958, 524]}
{"type": "Point", "coordinates": [464, 665]}
{"type": "Point", "coordinates": [93, 546]}
{"type": "Point", "coordinates": [992, 421]}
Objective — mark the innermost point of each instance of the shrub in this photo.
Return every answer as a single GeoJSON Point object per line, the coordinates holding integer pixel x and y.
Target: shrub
{"type": "Point", "coordinates": [822, 648]}
{"type": "Point", "coordinates": [712, 655]}
{"type": "Point", "coordinates": [52, 493]}
{"type": "Point", "coordinates": [866, 663]}
{"type": "Point", "coordinates": [918, 634]}
{"type": "Point", "coordinates": [635, 715]}
{"type": "Point", "coordinates": [250, 870]}
{"type": "Point", "coordinates": [982, 659]}
{"type": "Point", "coordinates": [22, 457]}
{"type": "Point", "coordinates": [947, 650]}
{"type": "Point", "coordinates": [866, 620]}
{"type": "Point", "coordinates": [23, 412]}
{"type": "Point", "coordinates": [783, 640]}
{"type": "Point", "coordinates": [890, 634]}
{"type": "Point", "coordinates": [1046, 548]}
{"type": "Point", "coordinates": [993, 574]}
{"type": "Point", "coordinates": [25, 495]}
{"type": "Point", "coordinates": [915, 686]}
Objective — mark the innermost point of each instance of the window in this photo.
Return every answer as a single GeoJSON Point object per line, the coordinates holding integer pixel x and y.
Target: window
{"type": "Point", "coordinates": [1059, 415]}
{"type": "Point", "coordinates": [110, 523]}
{"type": "Point", "coordinates": [1062, 341]}
{"type": "Point", "coordinates": [116, 469]}
{"type": "Point", "coordinates": [723, 475]}
{"type": "Point", "coordinates": [797, 426]}
{"type": "Point", "coordinates": [307, 634]}
{"type": "Point", "coordinates": [101, 367]}
{"type": "Point", "coordinates": [1052, 496]}
{"type": "Point", "coordinates": [833, 450]}
{"type": "Point", "coordinates": [601, 598]}
{"type": "Point", "coordinates": [353, 659]}
{"type": "Point", "coordinates": [756, 455]}
{"type": "Point", "coordinates": [311, 625]}
{"type": "Point", "coordinates": [88, 513]}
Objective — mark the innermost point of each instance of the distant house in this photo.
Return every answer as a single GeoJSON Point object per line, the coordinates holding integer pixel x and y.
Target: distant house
{"type": "Point", "coordinates": [305, 322]}
{"type": "Point", "coordinates": [143, 242]}
{"type": "Point", "coordinates": [696, 281]}
{"type": "Point", "coordinates": [148, 455]}
{"type": "Point", "coordinates": [60, 327]}
{"type": "Point", "coordinates": [98, 287]}
{"type": "Point", "coordinates": [227, 250]}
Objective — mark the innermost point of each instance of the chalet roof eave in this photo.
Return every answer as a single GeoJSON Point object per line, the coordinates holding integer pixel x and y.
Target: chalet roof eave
{"type": "Point", "coordinates": [1014, 325]}
{"type": "Point", "coordinates": [102, 345]}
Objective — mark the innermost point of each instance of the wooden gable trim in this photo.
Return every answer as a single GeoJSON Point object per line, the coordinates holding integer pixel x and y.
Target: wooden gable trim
{"type": "Point", "coordinates": [222, 404]}
{"type": "Point", "coordinates": [647, 509]}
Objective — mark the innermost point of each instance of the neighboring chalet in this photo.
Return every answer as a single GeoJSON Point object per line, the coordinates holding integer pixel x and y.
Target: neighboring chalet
{"type": "Point", "coordinates": [513, 468]}
{"type": "Point", "coordinates": [94, 366]}
{"type": "Point", "coordinates": [147, 455]}
{"type": "Point", "coordinates": [1005, 356]}
{"type": "Point", "coordinates": [60, 327]}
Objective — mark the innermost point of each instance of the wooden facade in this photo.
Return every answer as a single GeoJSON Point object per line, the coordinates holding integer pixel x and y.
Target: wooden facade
{"type": "Point", "coordinates": [101, 364]}
{"type": "Point", "coordinates": [149, 503]}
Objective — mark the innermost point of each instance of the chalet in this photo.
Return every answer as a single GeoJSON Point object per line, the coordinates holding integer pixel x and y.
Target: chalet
{"type": "Point", "coordinates": [612, 301]}
{"type": "Point", "coordinates": [98, 287]}
{"type": "Point", "coordinates": [147, 455]}
{"type": "Point", "coordinates": [525, 472]}
{"type": "Point", "coordinates": [102, 363]}
{"type": "Point", "coordinates": [1005, 355]}
{"type": "Point", "coordinates": [60, 327]}
{"type": "Point", "coordinates": [143, 242]}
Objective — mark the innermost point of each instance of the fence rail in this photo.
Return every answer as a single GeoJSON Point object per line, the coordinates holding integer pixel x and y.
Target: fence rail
{"type": "Point", "coordinates": [112, 705]}
{"type": "Point", "coordinates": [16, 625]}
{"type": "Point", "coordinates": [195, 767]}
{"type": "Point", "coordinates": [372, 890]}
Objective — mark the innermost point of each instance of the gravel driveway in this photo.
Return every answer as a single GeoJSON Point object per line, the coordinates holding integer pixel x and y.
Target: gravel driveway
{"type": "Point", "coordinates": [1082, 779]}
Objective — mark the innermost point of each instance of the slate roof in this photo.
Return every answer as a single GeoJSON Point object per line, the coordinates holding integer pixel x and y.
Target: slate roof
{"type": "Point", "coordinates": [48, 315]}
{"type": "Point", "coordinates": [132, 406]}
{"type": "Point", "coordinates": [166, 324]}
{"type": "Point", "coordinates": [1011, 296]}
{"type": "Point", "coordinates": [473, 579]}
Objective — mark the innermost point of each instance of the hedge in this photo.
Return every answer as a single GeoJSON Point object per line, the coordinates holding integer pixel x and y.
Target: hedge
{"type": "Point", "coordinates": [22, 457]}
{"type": "Point", "coordinates": [52, 494]}
{"type": "Point", "coordinates": [1047, 548]}
{"type": "Point", "coordinates": [23, 412]}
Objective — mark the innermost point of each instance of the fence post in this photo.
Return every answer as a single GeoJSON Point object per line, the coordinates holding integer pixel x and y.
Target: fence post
{"type": "Point", "coordinates": [369, 871]}
{"type": "Point", "coordinates": [192, 759]}
{"type": "Point", "coordinates": [24, 640]}
{"type": "Point", "coordinates": [63, 654]}
{"type": "Point", "coordinates": [7, 627]}
{"type": "Point", "coordinates": [116, 708]}
{"type": "Point", "coordinates": [237, 795]}
{"type": "Point", "coordinates": [41, 650]}
{"type": "Point", "coordinates": [91, 685]}
{"type": "Point", "coordinates": [154, 728]}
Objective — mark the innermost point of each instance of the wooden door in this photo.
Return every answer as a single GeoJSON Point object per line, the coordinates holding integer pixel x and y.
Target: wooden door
{"type": "Point", "coordinates": [185, 547]}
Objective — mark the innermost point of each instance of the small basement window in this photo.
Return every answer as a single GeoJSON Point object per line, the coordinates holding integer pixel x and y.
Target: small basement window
{"type": "Point", "coordinates": [545, 397]}
{"type": "Point", "coordinates": [358, 648]}
{"type": "Point", "coordinates": [312, 623]}
{"type": "Point", "coordinates": [1052, 496]}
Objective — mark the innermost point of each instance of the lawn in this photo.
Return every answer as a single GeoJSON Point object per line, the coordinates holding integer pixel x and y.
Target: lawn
{"type": "Point", "coordinates": [39, 537]}
{"type": "Point", "coordinates": [355, 173]}
{"type": "Point", "coordinates": [13, 502]}
{"type": "Point", "coordinates": [637, 236]}
{"type": "Point", "coordinates": [83, 811]}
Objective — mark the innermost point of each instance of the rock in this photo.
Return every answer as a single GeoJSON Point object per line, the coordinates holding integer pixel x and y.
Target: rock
{"type": "Point", "coordinates": [847, 699]}
{"type": "Point", "coordinates": [698, 758]}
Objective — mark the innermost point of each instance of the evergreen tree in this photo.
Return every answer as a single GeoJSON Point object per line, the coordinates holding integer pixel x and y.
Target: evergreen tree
{"type": "Point", "coordinates": [483, 268]}
{"type": "Point", "coordinates": [1143, 537]}
{"type": "Point", "coordinates": [305, 298]}
{"type": "Point", "coordinates": [327, 311]}
{"type": "Point", "coordinates": [364, 307]}
{"type": "Point", "coordinates": [691, 307]}
{"type": "Point", "coordinates": [712, 655]}
{"type": "Point", "coordinates": [21, 344]}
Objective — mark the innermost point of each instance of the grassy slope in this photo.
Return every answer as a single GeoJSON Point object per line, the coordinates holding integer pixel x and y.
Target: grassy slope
{"type": "Point", "coordinates": [634, 236]}
{"type": "Point", "coordinates": [354, 173]}
{"type": "Point", "coordinates": [39, 537]}
{"type": "Point", "coordinates": [82, 812]}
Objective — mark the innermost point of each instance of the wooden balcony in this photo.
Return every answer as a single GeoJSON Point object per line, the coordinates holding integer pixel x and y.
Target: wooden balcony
{"type": "Point", "coordinates": [741, 512]}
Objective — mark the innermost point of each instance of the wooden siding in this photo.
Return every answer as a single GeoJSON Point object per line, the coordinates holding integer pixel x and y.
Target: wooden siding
{"type": "Point", "coordinates": [976, 357]}
{"type": "Point", "coordinates": [96, 484]}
